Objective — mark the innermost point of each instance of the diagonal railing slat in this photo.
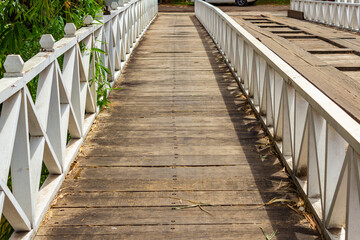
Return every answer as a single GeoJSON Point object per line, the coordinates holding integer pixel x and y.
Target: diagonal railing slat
{"type": "Point", "coordinates": [343, 14]}
{"type": "Point", "coordinates": [318, 142]}
{"type": "Point", "coordinates": [35, 128]}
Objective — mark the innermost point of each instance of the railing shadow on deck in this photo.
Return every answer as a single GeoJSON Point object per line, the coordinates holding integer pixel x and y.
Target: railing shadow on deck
{"type": "Point", "coordinates": [268, 168]}
{"type": "Point", "coordinates": [317, 141]}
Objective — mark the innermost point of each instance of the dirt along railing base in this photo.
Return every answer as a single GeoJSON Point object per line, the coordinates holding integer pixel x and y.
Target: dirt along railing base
{"type": "Point", "coordinates": [50, 128]}
{"type": "Point", "coordinates": [318, 142]}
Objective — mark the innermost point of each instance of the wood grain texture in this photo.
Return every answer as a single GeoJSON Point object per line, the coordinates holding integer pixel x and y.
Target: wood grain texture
{"type": "Point", "coordinates": [314, 51]}
{"type": "Point", "coordinates": [179, 135]}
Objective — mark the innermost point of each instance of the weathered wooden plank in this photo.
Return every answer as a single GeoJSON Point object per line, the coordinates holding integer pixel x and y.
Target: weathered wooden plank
{"type": "Point", "coordinates": [211, 183]}
{"type": "Point", "coordinates": [115, 150]}
{"type": "Point", "coordinates": [224, 119]}
{"type": "Point", "coordinates": [170, 141]}
{"type": "Point", "coordinates": [340, 60]}
{"type": "Point", "coordinates": [312, 43]}
{"type": "Point", "coordinates": [228, 231]}
{"type": "Point", "coordinates": [176, 173]}
{"type": "Point", "coordinates": [166, 199]}
{"type": "Point", "coordinates": [195, 133]}
{"type": "Point", "coordinates": [181, 160]}
{"type": "Point", "coordinates": [167, 215]}
{"type": "Point", "coordinates": [295, 14]}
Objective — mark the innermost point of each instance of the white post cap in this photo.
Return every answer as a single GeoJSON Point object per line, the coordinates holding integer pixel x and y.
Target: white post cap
{"type": "Point", "coordinates": [121, 3]}
{"type": "Point", "coordinates": [88, 20]}
{"type": "Point", "coordinates": [14, 66]}
{"type": "Point", "coordinates": [114, 5]}
{"type": "Point", "coordinates": [70, 29]}
{"type": "Point", "coordinates": [47, 42]}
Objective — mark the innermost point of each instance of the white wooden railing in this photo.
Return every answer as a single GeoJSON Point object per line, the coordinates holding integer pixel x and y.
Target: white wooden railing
{"type": "Point", "coordinates": [339, 14]}
{"type": "Point", "coordinates": [36, 132]}
{"type": "Point", "coordinates": [348, 1]}
{"type": "Point", "coordinates": [318, 142]}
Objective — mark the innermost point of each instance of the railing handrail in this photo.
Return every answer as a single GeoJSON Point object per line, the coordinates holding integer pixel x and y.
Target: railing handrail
{"type": "Point", "coordinates": [330, 2]}
{"type": "Point", "coordinates": [292, 110]}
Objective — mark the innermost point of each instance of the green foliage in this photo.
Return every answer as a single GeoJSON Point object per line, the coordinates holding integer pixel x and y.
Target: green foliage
{"type": "Point", "coordinates": [181, 2]}
{"type": "Point", "coordinates": [5, 229]}
{"type": "Point", "coordinates": [100, 77]}
{"type": "Point", "coordinates": [44, 174]}
{"type": "Point", "coordinates": [22, 22]}
{"type": "Point", "coordinates": [271, 236]}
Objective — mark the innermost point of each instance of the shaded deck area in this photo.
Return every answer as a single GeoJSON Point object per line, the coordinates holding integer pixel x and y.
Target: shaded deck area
{"type": "Point", "coordinates": [178, 155]}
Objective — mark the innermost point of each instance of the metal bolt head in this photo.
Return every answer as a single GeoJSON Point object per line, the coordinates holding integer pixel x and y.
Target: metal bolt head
{"type": "Point", "coordinates": [70, 29]}
{"type": "Point", "coordinates": [13, 64]}
{"type": "Point", "coordinates": [88, 20]}
{"type": "Point", "coordinates": [47, 42]}
{"type": "Point", "coordinates": [121, 3]}
{"type": "Point", "coordinates": [114, 5]}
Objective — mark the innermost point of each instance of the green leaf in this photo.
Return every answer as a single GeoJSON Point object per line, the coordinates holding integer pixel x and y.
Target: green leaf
{"type": "Point", "coordinates": [98, 50]}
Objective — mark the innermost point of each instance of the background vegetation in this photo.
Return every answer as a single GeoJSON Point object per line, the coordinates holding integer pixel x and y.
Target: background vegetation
{"type": "Point", "coordinates": [22, 22]}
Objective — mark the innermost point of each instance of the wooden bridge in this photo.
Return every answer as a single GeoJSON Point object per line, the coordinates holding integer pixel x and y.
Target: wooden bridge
{"type": "Point", "coordinates": [209, 135]}
{"type": "Point", "coordinates": [179, 155]}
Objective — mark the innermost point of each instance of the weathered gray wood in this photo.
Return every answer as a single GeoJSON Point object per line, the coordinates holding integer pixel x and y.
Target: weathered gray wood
{"type": "Point", "coordinates": [178, 134]}
{"type": "Point", "coordinates": [205, 232]}
{"type": "Point", "coordinates": [167, 215]}
{"type": "Point", "coordinates": [295, 14]}
{"type": "Point", "coordinates": [185, 160]}
{"type": "Point", "coordinates": [211, 183]}
{"type": "Point", "coordinates": [166, 199]}
{"type": "Point", "coordinates": [194, 173]}
{"type": "Point", "coordinates": [320, 69]}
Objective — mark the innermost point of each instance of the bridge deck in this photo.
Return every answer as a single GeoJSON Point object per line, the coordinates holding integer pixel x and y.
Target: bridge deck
{"type": "Point", "coordinates": [179, 155]}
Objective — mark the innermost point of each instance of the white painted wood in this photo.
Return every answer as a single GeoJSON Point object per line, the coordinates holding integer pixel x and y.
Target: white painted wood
{"type": "Point", "coordinates": [20, 162]}
{"type": "Point", "coordinates": [13, 211]}
{"type": "Point", "coordinates": [33, 132]}
{"type": "Point", "coordinates": [36, 130]}
{"type": "Point", "coordinates": [318, 141]}
{"type": "Point", "coordinates": [353, 199]}
{"type": "Point", "coordinates": [2, 200]}
{"type": "Point", "coordinates": [344, 14]}
{"type": "Point", "coordinates": [8, 122]}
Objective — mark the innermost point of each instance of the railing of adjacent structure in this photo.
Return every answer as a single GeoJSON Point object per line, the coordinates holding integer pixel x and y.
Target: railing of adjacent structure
{"type": "Point", "coordinates": [343, 14]}
{"type": "Point", "coordinates": [51, 128]}
{"type": "Point", "coordinates": [318, 142]}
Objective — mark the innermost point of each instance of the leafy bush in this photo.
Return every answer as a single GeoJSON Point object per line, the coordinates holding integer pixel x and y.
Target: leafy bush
{"type": "Point", "coordinates": [22, 22]}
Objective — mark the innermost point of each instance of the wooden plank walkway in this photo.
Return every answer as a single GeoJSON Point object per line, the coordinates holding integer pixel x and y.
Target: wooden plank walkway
{"type": "Point", "coordinates": [179, 155]}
